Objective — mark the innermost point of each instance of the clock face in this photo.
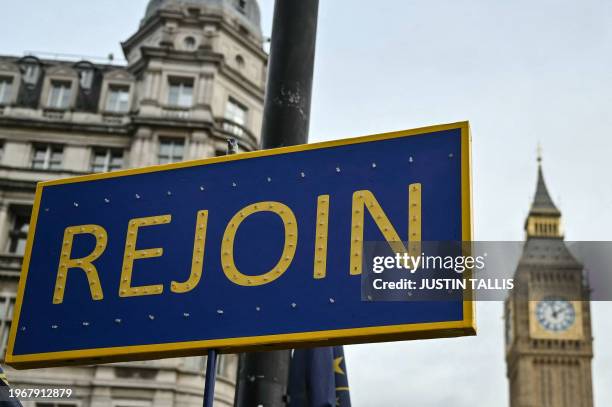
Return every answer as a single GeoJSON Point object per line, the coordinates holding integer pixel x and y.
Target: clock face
{"type": "Point", "coordinates": [555, 314]}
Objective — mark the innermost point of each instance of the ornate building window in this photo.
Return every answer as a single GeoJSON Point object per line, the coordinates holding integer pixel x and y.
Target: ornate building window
{"type": "Point", "coordinates": [7, 304]}
{"type": "Point", "coordinates": [240, 61]}
{"type": "Point", "coordinates": [171, 150]}
{"type": "Point", "coordinates": [47, 157]}
{"type": "Point", "coordinates": [59, 95]}
{"type": "Point", "coordinates": [118, 99]}
{"type": "Point", "coordinates": [236, 113]}
{"type": "Point", "coordinates": [6, 90]}
{"type": "Point", "coordinates": [86, 79]}
{"type": "Point", "coordinates": [190, 43]}
{"type": "Point", "coordinates": [180, 92]}
{"type": "Point", "coordinates": [106, 159]}
{"type": "Point", "coordinates": [18, 234]}
{"type": "Point", "coordinates": [31, 73]}
{"type": "Point", "coordinates": [195, 363]}
{"type": "Point", "coordinates": [221, 368]}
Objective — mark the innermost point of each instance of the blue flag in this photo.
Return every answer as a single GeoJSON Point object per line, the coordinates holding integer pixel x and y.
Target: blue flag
{"type": "Point", "coordinates": [5, 399]}
{"type": "Point", "coordinates": [317, 378]}
{"type": "Point", "coordinates": [343, 397]}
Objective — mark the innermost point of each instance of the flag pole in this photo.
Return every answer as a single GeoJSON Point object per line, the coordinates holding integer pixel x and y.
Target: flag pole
{"type": "Point", "coordinates": [211, 360]}
{"type": "Point", "coordinates": [211, 377]}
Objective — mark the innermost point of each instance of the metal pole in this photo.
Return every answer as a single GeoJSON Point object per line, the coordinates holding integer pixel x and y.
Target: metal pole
{"type": "Point", "coordinates": [211, 360]}
{"type": "Point", "coordinates": [211, 377]}
{"type": "Point", "coordinates": [263, 376]}
{"type": "Point", "coordinates": [290, 70]}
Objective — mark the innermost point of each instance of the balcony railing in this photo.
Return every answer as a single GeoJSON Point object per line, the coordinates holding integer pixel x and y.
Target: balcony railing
{"type": "Point", "coordinates": [176, 112]}
{"type": "Point", "coordinates": [233, 129]}
{"type": "Point", "coordinates": [55, 114]}
{"type": "Point", "coordinates": [10, 263]}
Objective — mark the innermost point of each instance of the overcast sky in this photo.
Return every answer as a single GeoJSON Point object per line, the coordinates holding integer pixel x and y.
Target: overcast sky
{"type": "Point", "coordinates": [521, 72]}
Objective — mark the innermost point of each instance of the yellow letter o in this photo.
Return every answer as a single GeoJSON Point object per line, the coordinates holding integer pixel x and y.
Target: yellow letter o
{"type": "Point", "coordinates": [227, 246]}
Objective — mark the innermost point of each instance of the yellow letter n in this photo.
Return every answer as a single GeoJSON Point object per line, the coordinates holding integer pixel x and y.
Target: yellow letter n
{"type": "Point", "coordinates": [84, 263]}
{"type": "Point", "coordinates": [365, 200]}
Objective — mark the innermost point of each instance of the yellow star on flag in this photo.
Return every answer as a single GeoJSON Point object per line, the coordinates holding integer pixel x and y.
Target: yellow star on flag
{"type": "Point", "coordinates": [337, 362]}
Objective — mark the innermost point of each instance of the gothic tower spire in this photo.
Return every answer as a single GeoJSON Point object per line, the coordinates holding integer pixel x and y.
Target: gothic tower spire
{"type": "Point", "coordinates": [544, 219]}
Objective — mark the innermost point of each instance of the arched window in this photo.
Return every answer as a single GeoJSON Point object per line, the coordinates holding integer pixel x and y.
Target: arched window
{"type": "Point", "coordinates": [30, 68]}
{"type": "Point", "coordinates": [240, 61]}
{"type": "Point", "coordinates": [86, 72]}
{"type": "Point", "coordinates": [190, 43]}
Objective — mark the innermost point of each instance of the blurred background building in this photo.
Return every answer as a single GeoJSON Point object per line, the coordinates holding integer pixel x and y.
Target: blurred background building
{"type": "Point", "coordinates": [194, 76]}
{"type": "Point", "coordinates": [549, 341]}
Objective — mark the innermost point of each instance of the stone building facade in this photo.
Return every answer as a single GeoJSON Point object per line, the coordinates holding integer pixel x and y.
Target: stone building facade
{"type": "Point", "coordinates": [194, 76]}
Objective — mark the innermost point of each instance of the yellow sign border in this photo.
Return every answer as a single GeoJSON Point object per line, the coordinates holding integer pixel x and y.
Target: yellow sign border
{"type": "Point", "coordinates": [465, 327]}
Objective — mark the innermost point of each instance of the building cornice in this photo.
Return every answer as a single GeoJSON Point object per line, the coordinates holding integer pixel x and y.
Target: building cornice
{"type": "Point", "coordinates": [101, 129]}
{"type": "Point", "coordinates": [16, 185]}
{"type": "Point", "coordinates": [162, 15]}
{"type": "Point", "coordinates": [247, 142]}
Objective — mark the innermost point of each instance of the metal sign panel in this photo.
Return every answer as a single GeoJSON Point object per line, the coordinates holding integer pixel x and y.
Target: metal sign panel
{"type": "Point", "coordinates": [252, 251]}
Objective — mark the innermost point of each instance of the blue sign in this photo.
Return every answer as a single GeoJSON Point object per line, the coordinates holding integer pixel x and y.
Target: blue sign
{"type": "Point", "coordinates": [252, 251]}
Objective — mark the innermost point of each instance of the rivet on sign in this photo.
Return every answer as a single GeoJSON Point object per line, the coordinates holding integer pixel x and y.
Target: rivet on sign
{"type": "Point", "coordinates": [106, 200]}
{"type": "Point", "coordinates": [369, 298]}
{"type": "Point", "coordinates": [201, 187]}
{"type": "Point", "coordinates": [257, 309]}
{"type": "Point", "coordinates": [234, 184]}
{"type": "Point", "coordinates": [186, 314]}
{"type": "Point", "coordinates": [450, 155]}
{"type": "Point", "coordinates": [169, 193]}
{"type": "Point", "coordinates": [302, 174]}
{"type": "Point", "coordinates": [373, 165]}
{"type": "Point", "coordinates": [269, 179]}
{"type": "Point", "coordinates": [331, 300]}
{"type": "Point", "coordinates": [337, 169]}
{"type": "Point", "coordinates": [76, 204]}
{"type": "Point", "coordinates": [410, 159]}
{"type": "Point", "coordinates": [151, 317]}
{"type": "Point", "coordinates": [54, 326]}
{"type": "Point", "coordinates": [85, 323]}
{"type": "Point", "coordinates": [293, 305]}
{"type": "Point", "coordinates": [137, 196]}
{"type": "Point", "coordinates": [220, 311]}
{"type": "Point", "coordinates": [118, 320]}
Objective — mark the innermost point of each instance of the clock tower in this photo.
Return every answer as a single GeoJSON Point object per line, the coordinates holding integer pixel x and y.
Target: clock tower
{"type": "Point", "coordinates": [548, 322]}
